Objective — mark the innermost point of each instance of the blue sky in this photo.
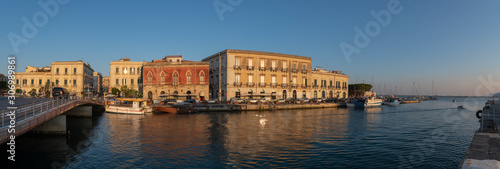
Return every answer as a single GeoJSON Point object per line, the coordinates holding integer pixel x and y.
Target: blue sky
{"type": "Point", "coordinates": [453, 43]}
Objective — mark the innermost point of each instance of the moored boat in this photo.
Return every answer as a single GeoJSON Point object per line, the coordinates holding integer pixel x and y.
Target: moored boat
{"type": "Point", "coordinates": [365, 103]}
{"type": "Point", "coordinates": [129, 106]}
{"type": "Point", "coordinates": [392, 102]}
{"type": "Point", "coordinates": [174, 109]}
{"type": "Point", "coordinates": [410, 100]}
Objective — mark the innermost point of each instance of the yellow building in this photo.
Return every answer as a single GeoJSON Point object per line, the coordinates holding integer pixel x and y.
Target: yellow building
{"type": "Point", "coordinates": [125, 73]}
{"type": "Point", "coordinates": [105, 83]}
{"type": "Point", "coordinates": [76, 76]}
{"type": "Point", "coordinates": [250, 74]}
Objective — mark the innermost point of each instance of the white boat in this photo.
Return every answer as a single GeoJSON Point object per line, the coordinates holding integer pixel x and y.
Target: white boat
{"type": "Point", "coordinates": [365, 103]}
{"type": "Point", "coordinates": [392, 102]}
{"type": "Point", "coordinates": [129, 106]}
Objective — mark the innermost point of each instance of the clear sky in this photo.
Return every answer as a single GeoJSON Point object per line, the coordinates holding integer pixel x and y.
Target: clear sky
{"type": "Point", "coordinates": [453, 43]}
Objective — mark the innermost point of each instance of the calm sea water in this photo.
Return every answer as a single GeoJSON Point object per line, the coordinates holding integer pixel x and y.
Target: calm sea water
{"type": "Point", "coordinates": [432, 134]}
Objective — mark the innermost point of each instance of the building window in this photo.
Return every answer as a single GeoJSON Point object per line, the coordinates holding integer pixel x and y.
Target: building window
{"type": "Point", "coordinates": [315, 82]}
{"type": "Point", "coordinates": [57, 81]}
{"type": "Point", "coordinates": [178, 60]}
{"type": "Point", "coordinates": [17, 81]}
{"type": "Point", "coordinates": [32, 81]}
{"type": "Point", "coordinates": [162, 78]}
{"type": "Point", "coordinates": [117, 71]}
{"type": "Point", "coordinates": [176, 78]}
{"type": "Point", "coordinates": [273, 79]}
{"type": "Point", "coordinates": [284, 80]}
{"type": "Point", "coordinates": [250, 78]}
{"type": "Point", "coordinates": [284, 64]}
{"type": "Point", "coordinates": [273, 64]}
{"type": "Point", "coordinates": [74, 70]}
{"type": "Point", "coordinates": [294, 80]}
{"type": "Point", "coordinates": [262, 79]}
{"type": "Point", "coordinates": [237, 63]}
{"type": "Point", "coordinates": [294, 66]}
{"type": "Point", "coordinates": [132, 70]}
{"type": "Point", "coordinates": [315, 94]}
{"type": "Point", "coordinates": [65, 82]}
{"type": "Point", "coordinates": [304, 67]}
{"type": "Point", "coordinates": [124, 81]}
{"type": "Point", "coordinates": [48, 81]}
{"type": "Point", "coordinates": [117, 82]}
{"type": "Point", "coordinates": [262, 63]}
{"type": "Point", "coordinates": [250, 62]}
{"type": "Point", "coordinates": [138, 70]}
{"type": "Point", "coordinates": [124, 70]}
{"type": "Point", "coordinates": [40, 81]}
{"type": "Point", "coordinates": [65, 71]}
{"type": "Point", "coordinates": [131, 82]}
{"type": "Point", "coordinates": [202, 77]}
{"type": "Point", "coordinates": [237, 78]}
{"type": "Point", "coordinates": [188, 77]}
{"type": "Point", "coordinates": [57, 71]}
{"type": "Point", "coordinates": [74, 82]}
{"type": "Point", "coordinates": [138, 82]}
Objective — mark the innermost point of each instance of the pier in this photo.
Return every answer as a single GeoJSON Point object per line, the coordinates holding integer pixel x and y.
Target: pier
{"type": "Point", "coordinates": [261, 107]}
{"type": "Point", "coordinates": [484, 150]}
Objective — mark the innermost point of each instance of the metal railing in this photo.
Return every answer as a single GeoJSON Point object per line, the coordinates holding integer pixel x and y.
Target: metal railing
{"type": "Point", "coordinates": [34, 109]}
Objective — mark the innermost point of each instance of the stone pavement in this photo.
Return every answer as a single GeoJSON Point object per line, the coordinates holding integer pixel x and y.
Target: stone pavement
{"type": "Point", "coordinates": [486, 147]}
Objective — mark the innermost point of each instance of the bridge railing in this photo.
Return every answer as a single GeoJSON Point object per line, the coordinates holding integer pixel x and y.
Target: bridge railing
{"type": "Point", "coordinates": [33, 109]}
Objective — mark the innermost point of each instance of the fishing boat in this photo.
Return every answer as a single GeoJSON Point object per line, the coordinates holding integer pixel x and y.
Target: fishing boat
{"type": "Point", "coordinates": [410, 100]}
{"type": "Point", "coordinates": [391, 102]}
{"type": "Point", "coordinates": [454, 100]}
{"type": "Point", "coordinates": [365, 103]}
{"type": "Point", "coordinates": [128, 106]}
{"type": "Point", "coordinates": [174, 109]}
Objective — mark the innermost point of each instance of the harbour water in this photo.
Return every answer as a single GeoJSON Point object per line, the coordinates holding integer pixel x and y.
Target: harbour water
{"type": "Point", "coordinates": [431, 134]}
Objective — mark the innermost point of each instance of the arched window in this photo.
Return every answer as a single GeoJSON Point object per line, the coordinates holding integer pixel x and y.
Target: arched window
{"type": "Point", "coordinates": [162, 77]}
{"type": "Point", "coordinates": [237, 94]}
{"type": "Point", "coordinates": [188, 77]}
{"type": "Point", "coordinates": [202, 77]}
{"type": "Point", "coordinates": [315, 94]}
{"type": "Point", "coordinates": [284, 94]}
{"type": "Point", "coordinates": [175, 75]}
{"type": "Point", "coordinates": [150, 77]}
{"type": "Point", "coordinates": [303, 93]}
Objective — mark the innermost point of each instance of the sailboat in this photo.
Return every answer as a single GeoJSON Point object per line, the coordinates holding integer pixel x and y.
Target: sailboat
{"type": "Point", "coordinates": [414, 99]}
{"type": "Point", "coordinates": [434, 93]}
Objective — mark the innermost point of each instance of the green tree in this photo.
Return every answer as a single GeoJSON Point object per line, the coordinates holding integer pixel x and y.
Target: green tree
{"type": "Point", "coordinates": [115, 91]}
{"type": "Point", "coordinates": [359, 89]}
{"type": "Point", "coordinates": [3, 85]}
{"type": "Point", "coordinates": [32, 92]}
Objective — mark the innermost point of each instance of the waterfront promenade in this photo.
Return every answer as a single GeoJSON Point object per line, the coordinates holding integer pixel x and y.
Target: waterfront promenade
{"type": "Point", "coordinates": [484, 150]}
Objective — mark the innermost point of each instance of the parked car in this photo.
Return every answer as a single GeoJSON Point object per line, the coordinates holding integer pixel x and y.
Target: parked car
{"type": "Point", "coordinates": [254, 100]}
{"type": "Point", "coordinates": [212, 101]}
{"type": "Point", "coordinates": [190, 101]}
{"type": "Point", "coordinates": [306, 100]}
{"type": "Point", "coordinates": [59, 92]}
{"type": "Point", "coordinates": [290, 100]}
{"type": "Point", "coordinates": [315, 100]}
{"type": "Point", "coordinates": [265, 100]}
{"type": "Point", "coordinates": [331, 100]}
{"type": "Point", "coordinates": [281, 100]}
{"type": "Point", "coordinates": [238, 100]}
{"type": "Point", "coordinates": [169, 101]}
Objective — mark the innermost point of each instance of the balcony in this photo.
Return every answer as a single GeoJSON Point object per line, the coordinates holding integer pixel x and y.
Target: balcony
{"type": "Point", "coordinates": [274, 69]}
{"type": "Point", "coordinates": [284, 85]}
{"type": "Point", "coordinates": [344, 88]}
{"type": "Point", "coordinates": [303, 86]}
{"type": "Point", "coordinates": [338, 87]}
{"type": "Point", "coordinates": [294, 85]}
{"type": "Point", "coordinates": [303, 71]}
{"type": "Point", "coordinates": [294, 70]}
{"type": "Point", "coordinates": [323, 86]}
{"type": "Point", "coordinates": [250, 67]}
{"type": "Point", "coordinates": [331, 87]}
{"type": "Point", "coordinates": [274, 84]}
{"type": "Point", "coordinates": [250, 84]}
{"type": "Point", "coordinates": [262, 84]}
{"type": "Point", "coordinates": [175, 83]}
{"type": "Point", "coordinates": [315, 86]}
{"type": "Point", "coordinates": [237, 84]}
{"type": "Point", "coordinates": [237, 67]}
{"type": "Point", "coordinates": [262, 68]}
{"type": "Point", "coordinates": [284, 69]}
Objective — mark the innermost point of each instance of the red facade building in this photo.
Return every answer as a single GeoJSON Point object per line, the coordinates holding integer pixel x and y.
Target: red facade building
{"type": "Point", "coordinates": [175, 78]}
